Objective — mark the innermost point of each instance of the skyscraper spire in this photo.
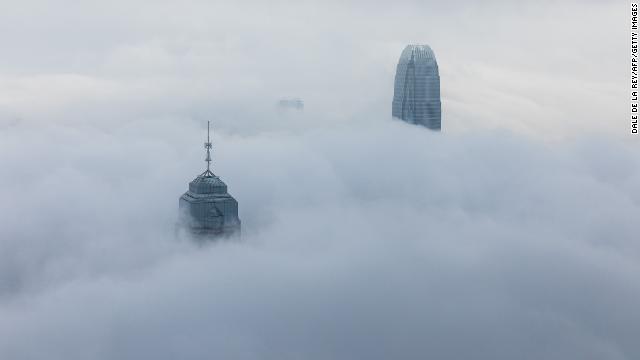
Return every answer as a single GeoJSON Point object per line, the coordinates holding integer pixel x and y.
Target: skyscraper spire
{"type": "Point", "coordinates": [208, 146]}
{"type": "Point", "coordinates": [207, 209]}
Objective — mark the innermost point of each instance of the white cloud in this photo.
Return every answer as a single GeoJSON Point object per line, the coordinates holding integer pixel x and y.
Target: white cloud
{"type": "Point", "coordinates": [379, 241]}
{"type": "Point", "coordinates": [363, 237]}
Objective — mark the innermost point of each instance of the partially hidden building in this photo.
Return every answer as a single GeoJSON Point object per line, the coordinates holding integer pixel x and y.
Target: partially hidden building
{"type": "Point", "coordinates": [207, 210]}
{"type": "Point", "coordinates": [291, 103]}
{"type": "Point", "coordinates": [416, 93]}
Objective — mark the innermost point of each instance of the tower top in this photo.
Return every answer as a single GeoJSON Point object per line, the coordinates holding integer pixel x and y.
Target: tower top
{"type": "Point", "coordinates": [417, 52]}
{"type": "Point", "coordinates": [208, 146]}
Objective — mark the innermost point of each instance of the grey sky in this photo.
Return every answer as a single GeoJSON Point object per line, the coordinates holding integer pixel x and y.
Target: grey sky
{"type": "Point", "coordinates": [512, 234]}
{"type": "Point", "coordinates": [552, 69]}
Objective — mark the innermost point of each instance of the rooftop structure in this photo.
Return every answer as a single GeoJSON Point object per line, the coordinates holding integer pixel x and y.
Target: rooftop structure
{"type": "Point", "coordinates": [207, 209]}
{"type": "Point", "coordinates": [416, 93]}
{"type": "Point", "coordinates": [291, 103]}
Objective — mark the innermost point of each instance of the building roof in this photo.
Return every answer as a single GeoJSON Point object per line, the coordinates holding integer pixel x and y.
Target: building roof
{"type": "Point", "coordinates": [207, 185]}
{"type": "Point", "coordinates": [419, 52]}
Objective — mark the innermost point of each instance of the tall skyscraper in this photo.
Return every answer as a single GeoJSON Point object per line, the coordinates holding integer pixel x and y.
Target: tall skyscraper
{"type": "Point", "coordinates": [207, 209]}
{"type": "Point", "coordinates": [416, 92]}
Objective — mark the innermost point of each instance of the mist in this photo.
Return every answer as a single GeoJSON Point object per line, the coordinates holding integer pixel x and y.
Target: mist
{"type": "Point", "coordinates": [511, 234]}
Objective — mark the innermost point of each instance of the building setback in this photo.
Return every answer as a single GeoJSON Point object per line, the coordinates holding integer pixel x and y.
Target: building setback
{"type": "Point", "coordinates": [207, 209]}
{"type": "Point", "coordinates": [416, 93]}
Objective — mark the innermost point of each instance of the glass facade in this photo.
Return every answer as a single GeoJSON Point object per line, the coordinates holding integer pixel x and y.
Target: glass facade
{"type": "Point", "coordinates": [208, 209]}
{"type": "Point", "coordinates": [416, 93]}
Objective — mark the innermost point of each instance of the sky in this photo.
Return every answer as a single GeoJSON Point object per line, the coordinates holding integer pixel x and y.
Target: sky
{"type": "Point", "coordinates": [510, 234]}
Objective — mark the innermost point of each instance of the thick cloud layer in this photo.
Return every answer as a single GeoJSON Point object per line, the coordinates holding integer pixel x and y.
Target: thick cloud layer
{"type": "Point", "coordinates": [374, 240]}
{"type": "Point", "coordinates": [512, 234]}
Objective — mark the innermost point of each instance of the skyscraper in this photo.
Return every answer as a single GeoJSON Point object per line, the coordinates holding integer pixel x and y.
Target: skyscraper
{"type": "Point", "coordinates": [416, 93]}
{"type": "Point", "coordinates": [207, 209]}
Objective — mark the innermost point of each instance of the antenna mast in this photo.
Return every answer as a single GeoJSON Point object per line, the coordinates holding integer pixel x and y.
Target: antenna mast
{"type": "Point", "coordinates": [208, 146]}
